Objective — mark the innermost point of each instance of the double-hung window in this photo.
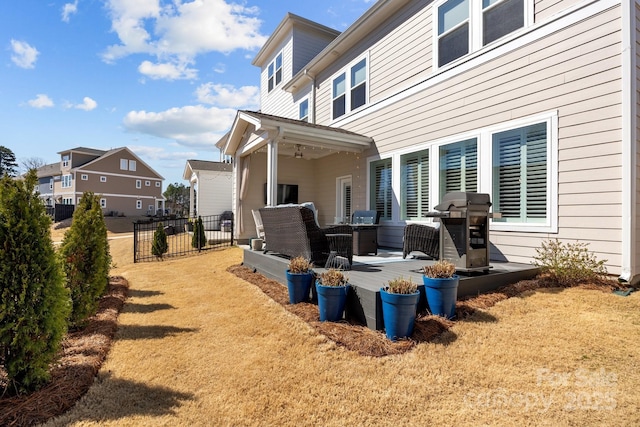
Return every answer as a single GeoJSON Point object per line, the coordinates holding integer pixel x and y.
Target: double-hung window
{"type": "Point", "coordinates": [124, 164]}
{"type": "Point", "coordinates": [303, 113]}
{"type": "Point", "coordinates": [520, 174]}
{"type": "Point", "coordinates": [349, 89]}
{"type": "Point", "coordinates": [381, 190]}
{"type": "Point", "coordinates": [414, 185]}
{"type": "Point", "coordinates": [65, 161]}
{"type": "Point", "coordinates": [66, 181]}
{"type": "Point", "coordinates": [465, 26]}
{"type": "Point", "coordinates": [459, 167]}
{"type": "Point", "coordinates": [274, 72]}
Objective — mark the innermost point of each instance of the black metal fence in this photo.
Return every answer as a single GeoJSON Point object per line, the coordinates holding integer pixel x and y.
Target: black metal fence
{"type": "Point", "coordinates": [181, 239]}
{"type": "Point", "coordinates": [60, 212]}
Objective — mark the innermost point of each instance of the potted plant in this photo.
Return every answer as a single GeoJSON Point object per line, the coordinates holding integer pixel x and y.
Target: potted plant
{"type": "Point", "coordinates": [299, 278]}
{"type": "Point", "coordinates": [441, 286]}
{"type": "Point", "coordinates": [332, 287]}
{"type": "Point", "coordinates": [399, 305]}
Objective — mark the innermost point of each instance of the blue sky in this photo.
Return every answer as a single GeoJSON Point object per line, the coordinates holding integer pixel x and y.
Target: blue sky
{"type": "Point", "coordinates": [160, 77]}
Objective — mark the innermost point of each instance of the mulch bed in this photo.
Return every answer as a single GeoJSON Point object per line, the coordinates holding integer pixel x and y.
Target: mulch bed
{"type": "Point", "coordinates": [82, 354]}
{"type": "Point", "coordinates": [368, 342]}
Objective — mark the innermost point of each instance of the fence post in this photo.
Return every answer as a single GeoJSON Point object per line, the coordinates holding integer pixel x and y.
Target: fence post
{"type": "Point", "coordinates": [136, 229]}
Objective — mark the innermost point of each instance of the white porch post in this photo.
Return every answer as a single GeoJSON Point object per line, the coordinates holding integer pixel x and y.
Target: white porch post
{"type": "Point", "coordinates": [272, 171]}
{"type": "Point", "coordinates": [191, 198]}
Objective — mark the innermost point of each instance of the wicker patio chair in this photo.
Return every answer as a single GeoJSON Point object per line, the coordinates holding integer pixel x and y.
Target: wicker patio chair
{"type": "Point", "coordinates": [422, 238]}
{"type": "Point", "coordinates": [340, 239]}
{"type": "Point", "coordinates": [292, 231]}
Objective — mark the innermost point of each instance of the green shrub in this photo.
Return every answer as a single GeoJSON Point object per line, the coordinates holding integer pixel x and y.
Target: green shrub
{"type": "Point", "coordinates": [86, 258]}
{"type": "Point", "coordinates": [160, 245]}
{"type": "Point", "coordinates": [199, 239]}
{"type": "Point", "coordinates": [569, 264]}
{"type": "Point", "coordinates": [34, 303]}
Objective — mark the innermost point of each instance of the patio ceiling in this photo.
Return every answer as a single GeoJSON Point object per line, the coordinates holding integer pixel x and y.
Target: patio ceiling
{"type": "Point", "coordinates": [252, 131]}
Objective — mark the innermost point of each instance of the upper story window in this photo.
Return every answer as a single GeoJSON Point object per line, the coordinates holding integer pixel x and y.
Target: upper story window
{"type": "Point", "coordinates": [51, 184]}
{"type": "Point", "coordinates": [465, 26]}
{"type": "Point", "coordinates": [274, 72]}
{"type": "Point", "coordinates": [304, 111]}
{"type": "Point", "coordinates": [65, 161]}
{"type": "Point", "coordinates": [66, 181]}
{"type": "Point", "coordinates": [138, 183]}
{"type": "Point", "coordinates": [158, 184]}
{"type": "Point", "coordinates": [84, 177]}
{"type": "Point", "coordinates": [353, 80]}
{"type": "Point", "coordinates": [132, 165]}
{"type": "Point", "coordinates": [124, 164]}
{"type": "Point", "coordinates": [103, 179]}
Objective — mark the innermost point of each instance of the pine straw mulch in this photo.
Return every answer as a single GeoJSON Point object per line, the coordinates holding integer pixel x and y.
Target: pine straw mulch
{"type": "Point", "coordinates": [367, 342]}
{"type": "Point", "coordinates": [82, 354]}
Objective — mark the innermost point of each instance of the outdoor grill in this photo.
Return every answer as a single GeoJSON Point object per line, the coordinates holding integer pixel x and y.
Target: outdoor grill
{"type": "Point", "coordinates": [464, 230]}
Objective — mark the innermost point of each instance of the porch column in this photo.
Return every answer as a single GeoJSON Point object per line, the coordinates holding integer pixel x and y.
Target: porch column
{"type": "Point", "coordinates": [272, 172]}
{"type": "Point", "coordinates": [191, 199]}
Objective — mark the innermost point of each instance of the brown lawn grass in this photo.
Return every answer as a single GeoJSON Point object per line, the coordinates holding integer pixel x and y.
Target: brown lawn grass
{"type": "Point", "coordinates": [197, 345]}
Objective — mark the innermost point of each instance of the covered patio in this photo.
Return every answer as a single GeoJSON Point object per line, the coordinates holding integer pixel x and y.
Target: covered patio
{"type": "Point", "coordinates": [369, 273]}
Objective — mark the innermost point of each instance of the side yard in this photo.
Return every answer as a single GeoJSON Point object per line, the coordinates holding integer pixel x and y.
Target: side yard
{"type": "Point", "coordinates": [198, 345]}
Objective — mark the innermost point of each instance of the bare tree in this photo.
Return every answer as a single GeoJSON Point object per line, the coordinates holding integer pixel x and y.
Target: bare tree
{"type": "Point", "coordinates": [32, 163]}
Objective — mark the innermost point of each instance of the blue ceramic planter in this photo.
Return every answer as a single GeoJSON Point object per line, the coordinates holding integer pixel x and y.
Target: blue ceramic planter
{"type": "Point", "coordinates": [331, 301]}
{"type": "Point", "coordinates": [441, 295]}
{"type": "Point", "coordinates": [399, 313]}
{"type": "Point", "coordinates": [298, 285]}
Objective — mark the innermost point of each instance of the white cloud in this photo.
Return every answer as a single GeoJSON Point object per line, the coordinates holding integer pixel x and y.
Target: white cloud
{"type": "Point", "coordinates": [24, 55]}
{"type": "Point", "coordinates": [228, 96]}
{"type": "Point", "coordinates": [88, 104]}
{"type": "Point", "coordinates": [69, 9]}
{"type": "Point", "coordinates": [41, 101]}
{"type": "Point", "coordinates": [159, 153]}
{"type": "Point", "coordinates": [167, 71]}
{"type": "Point", "coordinates": [190, 126]}
{"type": "Point", "coordinates": [176, 33]}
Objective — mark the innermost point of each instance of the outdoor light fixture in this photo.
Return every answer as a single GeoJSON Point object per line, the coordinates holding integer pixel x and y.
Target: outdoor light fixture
{"type": "Point", "coordinates": [298, 153]}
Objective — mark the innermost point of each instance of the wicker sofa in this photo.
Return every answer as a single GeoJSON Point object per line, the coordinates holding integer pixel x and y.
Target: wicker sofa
{"type": "Point", "coordinates": [292, 231]}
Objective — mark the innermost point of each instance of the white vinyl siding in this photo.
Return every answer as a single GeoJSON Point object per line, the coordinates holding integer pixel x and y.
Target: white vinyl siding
{"type": "Point", "coordinates": [414, 184]}
{"type": "Point", "coordinates": [381, 190]}
{"type": "Point", "coordinates": [520, 174]}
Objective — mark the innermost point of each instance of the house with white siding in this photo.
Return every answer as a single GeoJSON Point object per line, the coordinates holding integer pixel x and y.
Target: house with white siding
{"type": "Point", "coordinates": [534, 102]}
{"type": "Point", "coordinates": [210, 185]}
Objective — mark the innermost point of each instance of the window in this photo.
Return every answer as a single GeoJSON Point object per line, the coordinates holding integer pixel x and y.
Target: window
{"type": "Point", "coordinates": [78, 202]}
{"type": "Point", "coordinates": [51, 184]}
{"type": "Point", "coordinates": [67, 200]}
{"type": "Point", "coordinates": [158, 184]}
{"type": "Point", "coordinates": [356, 81]}
{"type": "Point", "coordinates": [84, 177]}
{"type": "Point", "coordinates": [304, 110]}
{"type": "Point", "coordinates": [274, 73]}
{"type": "Point", "coordinates": [103, 203]}
{"type": "Point", "coordinates": [103, 179]}
{"type": "Point", "coordinates": [147, 183]}
{"type": "Point", "coordinates": [381, 191]}
{"type": "Point", "coordinates": [66, 181]}
{"type": "Point", "coordinates": [138, 183]}
{"type": "Point", "coordinates": [132, 165]}
{"type": "Point", "coordinates": [124, 164]}
{"type": "Point", "coordinates": [520, 174]}
{"type": "Point", "coordinates": [459, 167]}
{"type": "Point", "coordinates": [465, 26]}
{"type": "Point", "coordinates": [138, 204]}
{"type": "Point", "coordinates": [65, 161]}
{"type": "Point", "coordinates": [414, 179]}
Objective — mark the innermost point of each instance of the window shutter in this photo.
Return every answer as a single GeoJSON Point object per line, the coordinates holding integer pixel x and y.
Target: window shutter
{"type": "Point", "coordinates": [537, 171]}
{"type": "Point", "coordinates": [382, 187]}
{"type": "Point", "coordinates": [508, 173]}
{"type": "Point", "coordinates": [459, 167]}
{"type": "Point", "coordinates": [415, 185]}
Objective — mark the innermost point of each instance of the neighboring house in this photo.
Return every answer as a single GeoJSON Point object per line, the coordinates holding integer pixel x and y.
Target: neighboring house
{"type": "Point", "coordinates": [210, 186]}
{"type": "Point", "coordinates": [534, 102]}
{"type": "Point", "coordinates": [126, 184]}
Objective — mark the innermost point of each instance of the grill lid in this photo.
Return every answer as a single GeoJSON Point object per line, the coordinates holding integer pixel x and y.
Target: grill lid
{"type": "Point", "coordinates": [462, 199]}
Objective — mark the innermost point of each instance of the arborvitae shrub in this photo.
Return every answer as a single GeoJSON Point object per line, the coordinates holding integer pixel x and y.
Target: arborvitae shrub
{"type": "Point", "coordinates": [160, 245]}
{"type": "Point", "coordinates": [34, 304]}
{"type": "Point", "coordinates": [199, 239]}
{"type": "Point", "coordinates": [86, 258]}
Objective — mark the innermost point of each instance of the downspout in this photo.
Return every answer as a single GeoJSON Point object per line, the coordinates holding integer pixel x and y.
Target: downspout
{"type": "Point", "coordinates": [312, 101]}
{"type": "Point", "coordinates": [629, 143]}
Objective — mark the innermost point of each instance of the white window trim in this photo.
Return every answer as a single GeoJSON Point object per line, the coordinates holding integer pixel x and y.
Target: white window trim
{"type": "Point", "coordinates": [138, 183]}
{"type": "Point", "coordinates": [485, 167]}
{"type": "Point", "coordinates": [84, 177]}
{"type": "Point", "coordinates": [103, 203]}
{"type": "Point", "coordinates": [275, 71]}
{"type": "Point", "coordinates": [63, 181]}
{"type": "Point", "coordinates": [133, 165]}
{"type": "Point", "coordinates": [158, 184]}
{"type": "Point", "coordinates": [147, 183]}
{"type": "Point", "coordinates": [308, 109]}
{"type": "Point", "coordinates": [346, 70]}
{"type": "Point", "coordinates": [475, 30]}
{"type": "Point", "coordinates": [103, 178]}
{"type": "Point", "coordinates": [138, 204]}
{"type": "Point", "coordinates": [124, 164]}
